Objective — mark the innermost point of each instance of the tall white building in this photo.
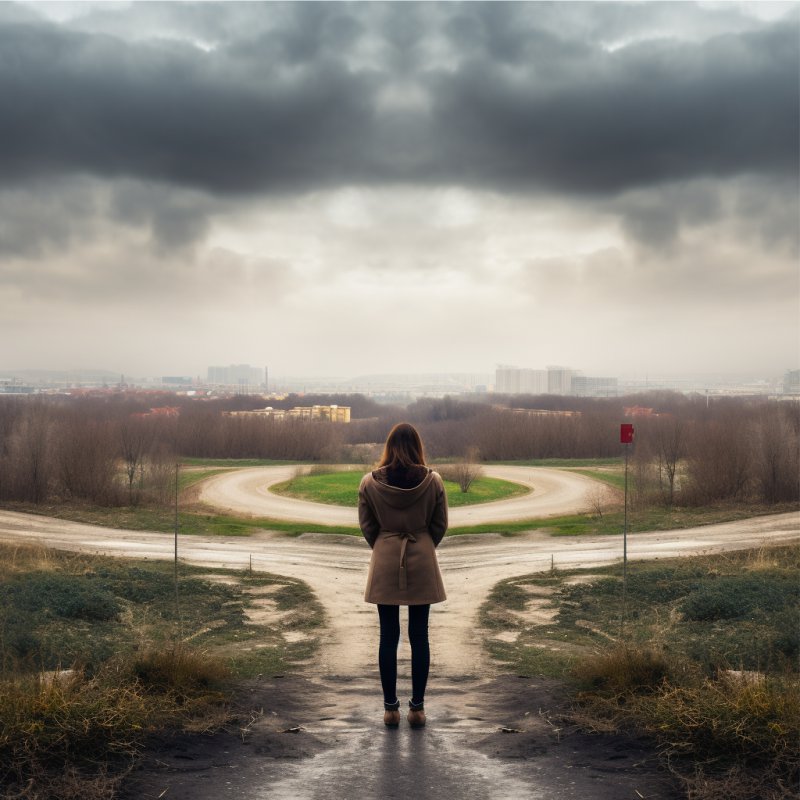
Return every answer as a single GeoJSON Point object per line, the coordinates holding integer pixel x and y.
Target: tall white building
{"type": "Point", "coordinates": [533, 381]}
{"type": "Point", "coordinates": [506, 379]}
{"type": "Point", "coordinates": [559, 380]}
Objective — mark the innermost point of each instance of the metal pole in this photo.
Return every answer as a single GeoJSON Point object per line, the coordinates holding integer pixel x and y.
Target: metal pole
{"type": "Point", "coordinates": [177, 599]}
{"type": "Point", "coordinates": [625, 548]}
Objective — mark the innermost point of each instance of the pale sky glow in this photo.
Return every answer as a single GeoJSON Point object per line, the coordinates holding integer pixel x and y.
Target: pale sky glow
{"type": "Point", "coordinates": [344, 189]}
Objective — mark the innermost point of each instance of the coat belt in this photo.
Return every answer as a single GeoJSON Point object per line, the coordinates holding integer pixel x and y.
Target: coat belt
{"type": "Point", "coordinates": [405, 538]}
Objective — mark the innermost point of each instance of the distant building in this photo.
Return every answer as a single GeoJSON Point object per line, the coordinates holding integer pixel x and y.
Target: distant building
{"type": "Point", "coordinates": [322, 413]}
{"type": "Point", "coordinates": [15, 387]}
{"type": "Point", "coordinates": [533, 381]}
{"type": "Point", "coordinates": [559, 380]}
{"type": "Point", "coordinates": [160, 411]}
{"type": "Point", "coordinates": [242, 377]}
{"type": "Point", "coordinates": [539, 412]}
{"type": "Point", "coordinates": [179, 381]}
{"type": "Point", "coordinates": [506, 380]}
{"type": "Point", "coordinates": [791, 381]}
{"type": "Point", "coordinates": [588, 386]}
{"type": "Point", "coordinates": [640, 411]}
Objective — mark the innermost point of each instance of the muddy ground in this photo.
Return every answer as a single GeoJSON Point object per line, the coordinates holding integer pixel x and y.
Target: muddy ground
{"type": "Point", "coordinates": [504, 737]}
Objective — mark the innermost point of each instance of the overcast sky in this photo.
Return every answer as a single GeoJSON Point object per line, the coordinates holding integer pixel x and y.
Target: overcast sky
{"type": "Point", "coordinates": [336, 189]}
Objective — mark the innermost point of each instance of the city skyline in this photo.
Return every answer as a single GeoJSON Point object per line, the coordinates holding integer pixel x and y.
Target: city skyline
{"type": "Point", "coordinates": [336, 189]}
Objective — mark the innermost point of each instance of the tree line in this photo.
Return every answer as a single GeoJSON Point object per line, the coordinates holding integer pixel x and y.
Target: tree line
{"type": "Point", "coordinates": [113, 450]}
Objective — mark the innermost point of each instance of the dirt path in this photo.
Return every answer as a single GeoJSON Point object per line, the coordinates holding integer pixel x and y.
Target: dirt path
{"type": "Point", "coordinates": [336, 702]}
{"type": "Point", "coordinates": [553, 492]}
{"type": "Point", "coordinates": [336, 566]}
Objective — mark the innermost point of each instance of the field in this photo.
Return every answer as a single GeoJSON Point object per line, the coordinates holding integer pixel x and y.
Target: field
{"type": "Point", "coordinates": [341, 488]}
{"type": "Point", "coordinates": [97, 654]}
{"type": "Point", "coordinates": [705, 661]}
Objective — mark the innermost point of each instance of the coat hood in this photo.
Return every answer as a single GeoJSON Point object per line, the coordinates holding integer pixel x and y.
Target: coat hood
{"type": "Point", "coordinates": [395, 497]}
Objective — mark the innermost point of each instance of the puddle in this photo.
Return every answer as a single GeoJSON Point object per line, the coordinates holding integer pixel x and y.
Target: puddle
{"type": "Point", "coordinates": [401, 763]}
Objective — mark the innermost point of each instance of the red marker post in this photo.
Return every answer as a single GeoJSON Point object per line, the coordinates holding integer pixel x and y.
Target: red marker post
{"type": "Point", "coordinates": [626, 439]}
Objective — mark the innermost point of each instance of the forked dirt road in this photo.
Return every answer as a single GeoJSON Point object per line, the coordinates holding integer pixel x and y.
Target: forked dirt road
{"type": "Point", "coordinates": [552, 492]}
{"type": "Point", "coordinates": [468, 700]}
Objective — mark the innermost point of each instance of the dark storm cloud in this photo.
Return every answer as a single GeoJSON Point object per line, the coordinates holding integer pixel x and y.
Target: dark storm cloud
{"type": "Point", "coordinates": [509, 103]}
{"type": "Point", "coordinates": [598, 121]}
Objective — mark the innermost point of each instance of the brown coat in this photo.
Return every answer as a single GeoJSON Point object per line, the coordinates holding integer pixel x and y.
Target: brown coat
{"type": "Point", "coordinates": [403, 527]}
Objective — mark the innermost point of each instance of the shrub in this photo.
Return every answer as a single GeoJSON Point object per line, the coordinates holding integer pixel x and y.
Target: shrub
{"type": "Point", "coordinates": [68, 596]}
{"type": "Point", "coordinates": [737, 596]}
{"type": "Point", "coordinates": [49, 724]}
{"type": "Point", "coordinates": [753, 723]}
{"type": "Point", "coordinates": [623, 669]}
{"type": "Point", "coordinates": [180, 672]}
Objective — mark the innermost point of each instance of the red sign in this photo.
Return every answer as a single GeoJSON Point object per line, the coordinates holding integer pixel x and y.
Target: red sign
{"type": "Point", "coordinates": [626, 433]}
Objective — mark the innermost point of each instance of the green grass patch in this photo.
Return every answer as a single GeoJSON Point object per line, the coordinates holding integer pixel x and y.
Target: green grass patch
{"type": "Point", "coordinates": [615, 478]}
{"type": "Point", "coordinates": [190, 477]}
{"type": "Point", "coordinates": [205, 522]}
{"type": "Point", "coordinates": [561, 463]}
{"type": "Point", "coordinates": [341, 488]}
{"type": "Point", "coordinates": [610, 523]}
{"type": "Point", "coordinates": [706, 663]}
{"type": "Point", "coordinates": [234, 462]}
{"type": "Point", "coordinates": [63, 608]}
{"type": "Point", "coordinates": [139, 663]}
{"type": "Point", "coordinates": [197, 521]}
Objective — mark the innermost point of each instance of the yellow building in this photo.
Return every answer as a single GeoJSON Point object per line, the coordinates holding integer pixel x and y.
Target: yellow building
{"type": "Point", "coordinates": [324, 413]}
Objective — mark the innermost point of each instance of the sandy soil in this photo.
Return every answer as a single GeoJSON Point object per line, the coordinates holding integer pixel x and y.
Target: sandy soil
{"type": "Point", "coordinates": [553, 492]}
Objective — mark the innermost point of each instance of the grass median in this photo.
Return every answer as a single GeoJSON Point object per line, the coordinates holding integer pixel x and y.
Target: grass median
{"type": "Point", "coordinates": [706, 663]}
{"type": "Point", "coordinates": [341, 488]}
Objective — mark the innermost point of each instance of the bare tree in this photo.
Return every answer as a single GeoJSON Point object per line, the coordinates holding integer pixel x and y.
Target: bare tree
{"type": "Point", "coordinates": [30, 446]}
{"type": "Point", "coordinates": [135, 438]}
{"type": "Point", "coordinates": [467, 471]}
{"type": "Point", "coordinates": [669, 445]}
{"type": "Point", "coordinates": [776, 457]}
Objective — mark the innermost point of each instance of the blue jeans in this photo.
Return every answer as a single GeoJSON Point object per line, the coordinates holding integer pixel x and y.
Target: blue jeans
{"type": "Point", "coordinates": [420, 650]}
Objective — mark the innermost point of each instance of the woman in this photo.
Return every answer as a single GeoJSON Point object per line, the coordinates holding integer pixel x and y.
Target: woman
{"type": "Point", "coordinates": [402, 510]}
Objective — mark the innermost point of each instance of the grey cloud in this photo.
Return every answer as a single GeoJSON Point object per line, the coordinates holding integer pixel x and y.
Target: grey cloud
{"type": "Point", "coordinates": [761, 214]}
{"type": "Point", "coordinates": [278, 108]}
{"type": "Point", "coordinates": [642, 115]}
{"type": "Point", "coordinates": [46, 217]}
{"type": "Point", "coordinates": [176, 218]}
{"type": "Point", "coordinates": [77, 103]}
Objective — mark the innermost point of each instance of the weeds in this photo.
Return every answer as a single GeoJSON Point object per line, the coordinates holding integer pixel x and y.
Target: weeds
{"type": "Point", "coordinates": [623, 670]}
{"type": "Point", "coordinates": [692, 622]}
{"type": "Point", "coordinates": [54, 733]}
{"type": "Point", "coordinates": [74, 733]}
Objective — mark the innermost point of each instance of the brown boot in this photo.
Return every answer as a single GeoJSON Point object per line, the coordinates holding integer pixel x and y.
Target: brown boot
{"type": "Point", "coordinates": [391, 714]}
{"type": "Point", "coordinates": [416, 715]}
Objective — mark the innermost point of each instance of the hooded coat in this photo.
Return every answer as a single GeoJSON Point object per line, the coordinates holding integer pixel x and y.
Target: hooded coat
{"type": "Point", "coordinates": [403, 527]}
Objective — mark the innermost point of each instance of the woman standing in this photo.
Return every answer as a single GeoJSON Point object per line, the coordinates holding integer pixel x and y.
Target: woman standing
{"type": "Point", "coordinates": [402, 511]}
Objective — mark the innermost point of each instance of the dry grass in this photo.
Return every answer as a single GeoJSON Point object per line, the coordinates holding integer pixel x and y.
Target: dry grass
{"type": "Point", "coordinates": [734, 736]}
{"type": "Point", "coordinates": [75, 733]}
{"type": "Point", "coordinates": [691, 622]}
{"type": "Point", "coordinates": [181, 673]}
{"type": "Point", "coordinates": [68, 735]}
{"type": "Point", "coordinates": [623, 670]}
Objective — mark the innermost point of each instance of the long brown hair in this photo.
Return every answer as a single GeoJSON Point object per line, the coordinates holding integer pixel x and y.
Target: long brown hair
{"type": "Point", "coordinates": [403, 448]}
